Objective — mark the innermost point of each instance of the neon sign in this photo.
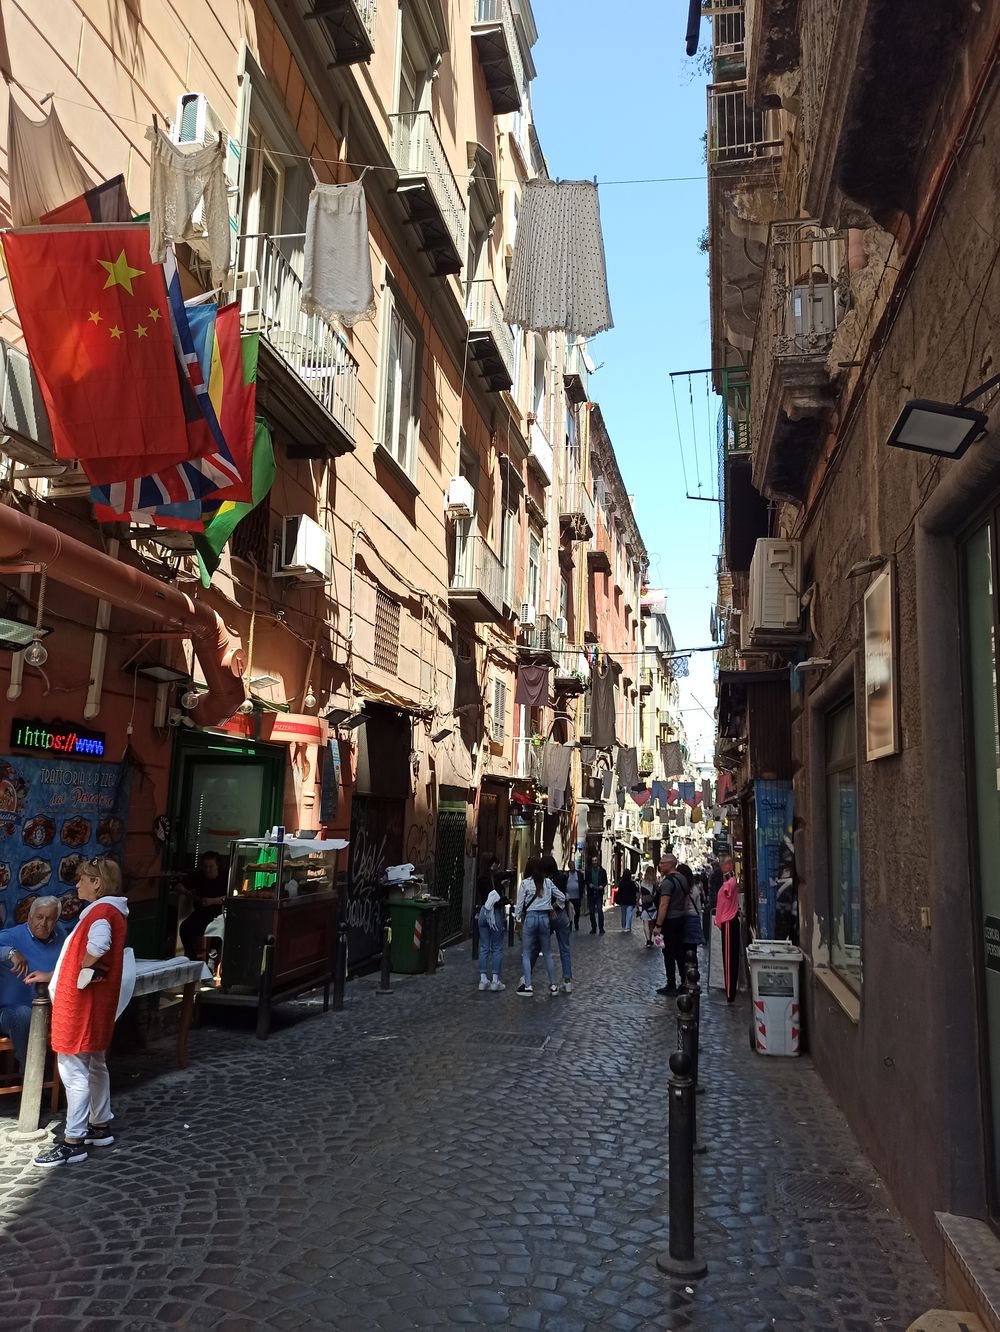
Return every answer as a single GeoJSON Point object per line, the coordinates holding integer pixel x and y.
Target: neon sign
{"type": "Point", "coordinates": [55, 738]}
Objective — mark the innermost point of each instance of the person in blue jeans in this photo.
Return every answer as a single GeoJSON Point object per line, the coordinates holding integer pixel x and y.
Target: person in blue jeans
{"type": "Point", "coordinates": [491, 933]}
{"type": "Point", "coordinates": [562, 927]}
{"type": "Point", "coordinates": [536, 898]}
{"type": "Point", "coordinates": [626, 898]}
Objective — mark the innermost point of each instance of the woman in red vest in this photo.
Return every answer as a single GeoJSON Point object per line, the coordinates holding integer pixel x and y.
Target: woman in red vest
{"type": "Point", "coordinates": [85, 990]}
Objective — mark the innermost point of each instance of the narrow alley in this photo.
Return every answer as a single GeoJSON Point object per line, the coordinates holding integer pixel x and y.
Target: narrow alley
{"type": "Point", "coordinates": [444, 1158]}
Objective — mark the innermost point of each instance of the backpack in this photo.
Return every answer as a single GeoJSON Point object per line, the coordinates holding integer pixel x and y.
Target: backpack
{"type": "Point", "coordinates": [648, 897]}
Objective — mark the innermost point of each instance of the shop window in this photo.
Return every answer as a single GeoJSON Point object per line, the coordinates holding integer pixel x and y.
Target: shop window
{"type": "Point", "coordinates": [398, 396]}
{"type": "Point", "coordinates": [844, 861]}
{"type": "Point", "coordinates": [386, 656]}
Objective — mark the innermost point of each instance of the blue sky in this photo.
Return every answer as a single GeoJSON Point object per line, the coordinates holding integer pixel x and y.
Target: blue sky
{"type": "Point", "coordinates": [616, 97]}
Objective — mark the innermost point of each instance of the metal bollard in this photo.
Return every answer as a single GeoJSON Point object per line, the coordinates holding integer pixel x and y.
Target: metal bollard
{"type": "Point", "coordinates": [680, 1260]}
{"type": "Point", "coordinates": [30, 1115]}
{"type": "Point", "coordinates": [340, 971]}
{"type": "Point", "coordinates": [385, 981]}
{"type": "Point", "coordinates": [687, 1039]}
{"type": "Point", "coordinates": [691, 987]}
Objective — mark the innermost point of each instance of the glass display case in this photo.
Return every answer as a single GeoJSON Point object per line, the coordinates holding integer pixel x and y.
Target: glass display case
{"type": "Point", "coordinates": [281, 921]}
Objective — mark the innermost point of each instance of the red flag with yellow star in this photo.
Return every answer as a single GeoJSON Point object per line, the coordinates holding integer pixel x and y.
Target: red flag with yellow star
{"type": "Point", "coordinates": [94, 313]}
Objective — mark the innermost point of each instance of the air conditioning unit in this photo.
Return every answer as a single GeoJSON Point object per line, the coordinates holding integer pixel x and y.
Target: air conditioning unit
{"type": "Point", "coordinates": [196, 124]}
{"type": "Point", "coordinates": [774, 603]}
{"type": "Point", "coordinates": [528, 615]}
{"type": "Point", "coordinates": [304, 552]}
{"type": "Point", "coordinates": [562, 625]}
{"type": "Point", "coordinates": [24, 424]}
{"type": "Point", "coordinates": [69, 483]}
{"type": "Point", "coordinates": [461, 498]}
{"type": "Point", "coordinates": [621, 820]}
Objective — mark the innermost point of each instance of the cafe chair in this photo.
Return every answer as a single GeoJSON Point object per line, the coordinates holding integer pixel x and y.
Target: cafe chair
{"type": "Point", "coordinates": [10, 1083]}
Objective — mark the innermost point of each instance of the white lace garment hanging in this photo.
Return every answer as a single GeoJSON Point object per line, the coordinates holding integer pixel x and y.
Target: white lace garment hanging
{"type": "Point", "coordinates": [558, 278]}
{"type": "Point", "coordinates": [338, 265]}
{"type": "Point", "coordinates": [43, 169]}
{"type": "Point", "coordinates": [178, 182]}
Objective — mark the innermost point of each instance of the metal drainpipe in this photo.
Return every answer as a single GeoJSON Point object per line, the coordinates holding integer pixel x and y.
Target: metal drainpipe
{"type": "Point", "coordinates": [99, 652]}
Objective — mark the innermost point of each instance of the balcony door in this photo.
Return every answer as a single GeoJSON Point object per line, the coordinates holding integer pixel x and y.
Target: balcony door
{"type": "Point", "coordinates": [413, 89]}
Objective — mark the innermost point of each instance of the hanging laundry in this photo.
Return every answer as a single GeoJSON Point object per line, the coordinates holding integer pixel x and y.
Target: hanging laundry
{"type": "Point", "coordinates": [658, 792]}
{"type": "Point", "coordinates": [607, 784]}
{"type": "Point", "coordinates": [338, 261]}
{"type": "Point", "coordinates": [532, 690]}
{"type": "Point", "coordinates": [43, 170]}
{"type": "Point", "coordinates": [646, 813]}
{"type": "Point", "coordinates": [686, 792]}
{"type": "Point", "coordinates": [602, 705]}
{"type": "Point", "coordinates": [640, 794]}
{"type": "Point", "coordinates": [558, 278]}
{"type": "Point", "coordinates": [627, 767]}
{"type": "Point", "coordinates": [706, 792]}
{"type": "Point", "coordinates": [178, 182]}
{"type": "Point", "coordinates": [555, 769]}
{"type": "Point", "coordinates": [107, 202]}
{"type": "Point", "coordinates": [672, 758]}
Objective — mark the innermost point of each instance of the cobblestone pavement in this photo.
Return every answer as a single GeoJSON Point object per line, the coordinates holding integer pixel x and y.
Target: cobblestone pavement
{"type": "Point", "coordinates": [448, 1159]}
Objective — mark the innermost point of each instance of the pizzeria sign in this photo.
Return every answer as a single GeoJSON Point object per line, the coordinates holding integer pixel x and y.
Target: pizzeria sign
{"type": "Point", "coordinates": [40, 737]}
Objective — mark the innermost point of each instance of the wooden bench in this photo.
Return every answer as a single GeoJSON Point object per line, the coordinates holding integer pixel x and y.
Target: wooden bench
{"type": "Point", "coordinates": [10, 1084]}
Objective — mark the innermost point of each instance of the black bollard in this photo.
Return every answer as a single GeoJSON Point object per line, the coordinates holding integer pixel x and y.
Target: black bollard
{"type": "Point", "coordinates": [687, 1040]}
{"type": "Point", "coordinates": [340, 970]}
{"type": "Point", "coordinates": [680, 1259]}
{"type": "Point", "coordinates": [385, 982]}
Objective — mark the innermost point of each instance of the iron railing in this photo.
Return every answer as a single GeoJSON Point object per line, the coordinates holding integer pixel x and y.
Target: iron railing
{"type": "Point", "coordinates": [367, 9]}
{"type": "Point", "coordinates": [478, 569]}
{"type": "Point", "coordinates": [817, 33]}
{"type": "Point", "coordinates": [545, 635]}
{"type": "Point", "coordinates": [417, 150]}
{"type": "Point", "coordinates": [500, 11]}
{"type": "Point", "coordinates": [737, 130]}
{"type": "Point", "coordinates": [485, 311]}
{"type": "Point", "coordinates": [309, 346]}
{"type": "Point", "coordinates": [540, 451]}
{"type": "Point", "coordinates": [576, 501]}
{"type": "Point", "coordinates": [728, 26]}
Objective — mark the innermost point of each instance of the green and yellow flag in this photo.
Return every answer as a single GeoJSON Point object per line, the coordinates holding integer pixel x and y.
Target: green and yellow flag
{"type": "Point", "coordinates": [210, 544]}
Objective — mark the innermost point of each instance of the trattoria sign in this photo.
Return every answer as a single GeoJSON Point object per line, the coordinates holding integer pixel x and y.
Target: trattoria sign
{"type": "Point", "coordinates": [40, 737]}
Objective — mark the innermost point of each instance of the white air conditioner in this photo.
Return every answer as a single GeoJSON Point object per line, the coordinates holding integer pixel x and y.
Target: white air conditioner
{"type": "Point", "coordinates": [528, 615]}
{"type": "Point", "coordinates": [69, 483]}
{"type": "Point", "coordinates": [197, 123]}
{"type": "Point", "coordinates": [621, 820]}
{"type": "Point", "coordinates": [562, 625]}
{"type": "Point", "coordinates": [461, 499]}
{"type": "Point", "coordinates": [24, 425]}
{"type": "Point", "coordinates": [304, 552]}
{"type": "Point", "coordinates": [774, 602]}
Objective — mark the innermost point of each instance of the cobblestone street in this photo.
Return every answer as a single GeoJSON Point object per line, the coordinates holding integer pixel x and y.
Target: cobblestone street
{"type": "Point", "coordinates": [444, 1158]}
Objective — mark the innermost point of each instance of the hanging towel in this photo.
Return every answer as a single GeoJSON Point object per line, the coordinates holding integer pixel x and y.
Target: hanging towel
{"type": "Point", "coordinates": [532, 689]}
{"type": "Point", "coordinates": [602, 705]}
{"type": "Point", "coordinates": [42, 168]}
{"type": "Point", "coordinates": [178, 182]}
{"type": "Point", "coordinates": [627, 767]}
{"type": "Point", "coordinates": [338, 262]}
{"type": "Point", "coordinates": [558, 279]}
{"type": "Point", "coordinates": [555, 769]}
{"type": "Point", "coordinates": [673, 759]}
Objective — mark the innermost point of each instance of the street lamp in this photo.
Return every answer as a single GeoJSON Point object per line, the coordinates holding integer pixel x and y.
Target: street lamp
{"type": "Point", "coordinates": [941, 428]}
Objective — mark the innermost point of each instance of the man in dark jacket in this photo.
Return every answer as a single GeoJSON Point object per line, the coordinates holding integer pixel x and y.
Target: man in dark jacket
{"type": "Point", "coordinates": [597, 886]}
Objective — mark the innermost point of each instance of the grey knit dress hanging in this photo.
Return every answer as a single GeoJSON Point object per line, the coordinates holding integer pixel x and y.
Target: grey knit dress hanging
{"type": "Point", "coordinates": [558, 279]}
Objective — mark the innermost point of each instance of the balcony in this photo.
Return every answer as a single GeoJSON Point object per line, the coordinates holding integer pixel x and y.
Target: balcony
{"type": "Point", "coordinates": [576, 511]}
{"type": "Point", "coordinates": [491, 343]}
{"type": "Point", "coordinates": [476, 587]}
{"type": "Point", "coordinates": [540, 458]}
{"type": "Point", "coordinates": [350, 27]}
{"type": "Point", "coordinates": [576, 373]}
{"type": "Point", "coordinates": [646, 763]}
{"type": "Point", "coordinates": [728, 36]}
{"type": "Point", "coordinates": [737, 130]}
{"type": "Point", "coordinates": [599, 554]}
{"type": "Point", "coordinates": [543, 641]}
{"type": "Point", "coordinates": [427, 187]}
{"type": "Point", "coordinates": [646, 680]}
{"type": "Point", "coordinates": [802, 304]}
{"type": "Point", "coordinates": [499, 54]}
{"type": "Point", "coordinates": [306, 377]}
{"type": "Point", "coordinates": [771, 45]}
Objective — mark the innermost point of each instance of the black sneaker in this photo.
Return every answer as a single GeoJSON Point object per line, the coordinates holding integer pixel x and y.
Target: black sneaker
{"type": "Point", "coordinates": [98, 1135]}
{"type": "Point", "coordinates": [524, 989]}
{"type": "Point", "coordinates": [61, 1153]}
{"type": "Point", "coordinates": [667, 989]}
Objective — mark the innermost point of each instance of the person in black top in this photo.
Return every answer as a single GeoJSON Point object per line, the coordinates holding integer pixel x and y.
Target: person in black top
{"type": "Point", "coordinates": [206, 887]}
{"type": "Point", "coordinates": [597, 884]}
{"type": "Point", "coordinates": [626, 897]}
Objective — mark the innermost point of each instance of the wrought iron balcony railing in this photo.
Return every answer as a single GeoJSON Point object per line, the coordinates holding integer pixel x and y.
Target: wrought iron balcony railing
{"type": "Point", "coordinates": [737, 130]}
{"type": "Point", "coordinates": [428, 183]}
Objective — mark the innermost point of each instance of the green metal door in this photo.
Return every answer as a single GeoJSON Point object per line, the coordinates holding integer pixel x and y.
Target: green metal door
{"type": "Point", "coordinates": [449, 874]}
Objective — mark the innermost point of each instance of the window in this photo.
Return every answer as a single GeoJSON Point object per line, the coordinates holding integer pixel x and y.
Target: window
{"type": "Point", "coordinates": [539, 362]}
{"type": "Point", "coordinates": [499, 719]}
{"type": "Point", "coordinates": [843, 851]}
{"type": "Point", "coordinates": [564, 598]}
{"type": "Point", "coordinates": [386, 655]}
{"type": "Point", "coordinates": [532, 587]}
{"type": "Point", "coordinates": [398, 396]}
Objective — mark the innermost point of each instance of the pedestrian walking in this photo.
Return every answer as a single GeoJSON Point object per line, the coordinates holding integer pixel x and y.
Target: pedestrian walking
{"type": "Point", "coordinates": [626, 897]}
{"type": "Point", "coordinates": [536, 900]}
{"type": "Point", "coordinates": [491, 941]}
{"type": "Point", "coordinates": [88, 993]}
{"type": "Point", "coordinates": [728, 921]}
{"type": "Point", "coordinates": [597, 886]}
{"type": "Point", "coordinates": [562, 926]}
{"type": "Point", "coordinates": [574, 892]}
{"type": "Point", "coordinates": [649, 901]}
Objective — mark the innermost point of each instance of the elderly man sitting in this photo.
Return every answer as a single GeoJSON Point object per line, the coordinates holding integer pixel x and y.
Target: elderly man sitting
{"type": "Point", "coordinates": [33, 946]}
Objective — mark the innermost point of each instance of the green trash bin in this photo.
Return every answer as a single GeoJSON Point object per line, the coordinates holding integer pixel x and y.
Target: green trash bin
{"type": "Point", "coordinates": [413, 933]}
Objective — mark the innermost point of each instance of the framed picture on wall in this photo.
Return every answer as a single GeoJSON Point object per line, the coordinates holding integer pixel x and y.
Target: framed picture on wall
{"type": "Point", "coordinates": [881, 667]}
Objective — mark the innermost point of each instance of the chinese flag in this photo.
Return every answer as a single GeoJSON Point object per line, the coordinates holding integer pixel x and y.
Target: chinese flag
{"type": "Point", "coordinates": [94, 313]}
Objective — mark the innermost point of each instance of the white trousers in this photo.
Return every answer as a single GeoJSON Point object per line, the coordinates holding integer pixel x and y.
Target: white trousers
{"type": "Point", "coordinates": [88, 1091]}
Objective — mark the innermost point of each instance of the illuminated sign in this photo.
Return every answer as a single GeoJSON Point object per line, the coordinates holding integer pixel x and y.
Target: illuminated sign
{"type": "Point", "coordinates": [55, 738]}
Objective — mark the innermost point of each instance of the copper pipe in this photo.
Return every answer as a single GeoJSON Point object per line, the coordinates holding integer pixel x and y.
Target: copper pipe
{"type": "Point", "coordinates": [79, 566]}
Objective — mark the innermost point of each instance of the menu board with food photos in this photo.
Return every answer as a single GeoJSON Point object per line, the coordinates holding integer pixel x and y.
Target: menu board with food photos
{"type": "Point", "coordinates": [55, 813]}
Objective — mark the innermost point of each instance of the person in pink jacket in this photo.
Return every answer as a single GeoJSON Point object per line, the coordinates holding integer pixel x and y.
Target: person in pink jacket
{"type": "Point", "coordinates": [728, 920]}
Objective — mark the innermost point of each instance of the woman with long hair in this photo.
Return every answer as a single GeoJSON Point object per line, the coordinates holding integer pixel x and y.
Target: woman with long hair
{"type": "Point", "coordinates": [562, 925]}
{"type": "Point", "coordinates": [537, 898]}
{"type": "Point", "coordinates": [648, 901]}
